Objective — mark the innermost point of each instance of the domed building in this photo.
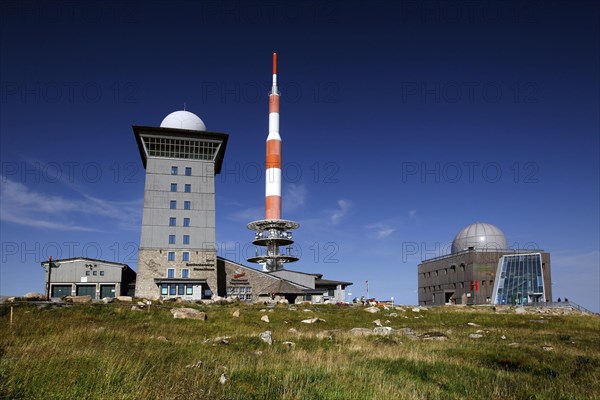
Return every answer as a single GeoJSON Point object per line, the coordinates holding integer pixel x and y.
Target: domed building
{"type": "Point", "coordinates": [482, 269]}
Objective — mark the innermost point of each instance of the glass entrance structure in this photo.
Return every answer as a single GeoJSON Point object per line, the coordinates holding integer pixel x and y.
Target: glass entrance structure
{"type": "Point", "coordinates": [519, 280]}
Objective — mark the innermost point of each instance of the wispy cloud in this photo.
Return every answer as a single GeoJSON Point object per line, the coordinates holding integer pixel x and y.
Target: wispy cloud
{"type": "Point", "coordinates": [343, 208]}
{"type": "Point", "coordinates": [21, 205]}
{"type": "Point", "coordinates": [247, 214]}
{"type": "Point", "coordinates": [294, 197]}
{"type": "Point", "coordinates": [381, 230]}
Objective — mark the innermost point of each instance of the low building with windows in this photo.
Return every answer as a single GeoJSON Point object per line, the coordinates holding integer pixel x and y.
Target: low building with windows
{"type": "Point", "coordinates": [481, 269]}
{"type": "Point", "coordinates": [87, 276]}
{"type": "Point", "coordinates": [322, 289]}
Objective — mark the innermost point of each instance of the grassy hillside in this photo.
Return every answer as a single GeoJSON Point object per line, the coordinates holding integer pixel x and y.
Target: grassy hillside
{"type": "Point", "coordinates": [112, 352]}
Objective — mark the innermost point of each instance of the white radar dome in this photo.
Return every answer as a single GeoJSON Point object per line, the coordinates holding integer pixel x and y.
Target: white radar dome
{"type": "Point", "coordinates": [479, 236]}
{"type": "Point", "coordinates": [183, 120]}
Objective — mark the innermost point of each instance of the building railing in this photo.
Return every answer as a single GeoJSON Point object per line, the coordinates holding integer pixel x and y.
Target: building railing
{"type": "Point", "coordinates": [562, 304]}
{"type": "Point", "coordinates": [486, 250]}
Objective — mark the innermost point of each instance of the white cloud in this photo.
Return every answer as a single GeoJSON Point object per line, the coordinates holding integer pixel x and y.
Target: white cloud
{"type": "Point", "coordinates": [340, 213]}
{"type": "Point", "coordinates": [294, 197]}
{"type": "Point", "coordinates": [247, 214]}
{"type": "Point", "coordinates": [21, 205]}
{"type": "Point", "coordinates": [381, 230]}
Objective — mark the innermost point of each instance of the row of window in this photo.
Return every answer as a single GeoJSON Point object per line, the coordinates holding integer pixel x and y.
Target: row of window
{"type": "Point", "coordinates": [185, 273]}
{"type": "Point", "coordinates": [94, 273]}
{"type": "Point", "coordinates": [173, 222]}
{"type": "Point", "coordinates": [187, 188]}
{"type": "Point", "coordinates": [176, 289]}
{"type": "Point", "coordinates": [175, 171]}
{"type": "Point", "coordinates": [241, 292]}
{"type": "Point", "coordinates": [185, 256]}
{"type": "Point", "coordinates": [445, 271]}
{"type": "Point", "coordinates": [186, 239]}
{"type": "Point", "coordinates": [187, 205]}
{"type": "Point", "coordinates": [459, 285]}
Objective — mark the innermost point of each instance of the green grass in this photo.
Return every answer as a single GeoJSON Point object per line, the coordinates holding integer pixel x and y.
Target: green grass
{"type": "Point", "coordinates": [112, 352]}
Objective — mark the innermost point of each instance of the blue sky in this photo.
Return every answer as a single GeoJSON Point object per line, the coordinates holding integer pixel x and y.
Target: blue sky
{"type": "Point", "coordinates": [400, 123]}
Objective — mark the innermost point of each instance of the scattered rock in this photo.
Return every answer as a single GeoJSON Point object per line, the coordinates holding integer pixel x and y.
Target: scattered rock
{"type": "Point", "coordinates": [292, 309]}
{"type": "Point", "coordinates": [514, 344]}
{"type": "Point", "coordinates": [222, 340]}
{"type": "Point", "coordinates": [503, 337]}
{"type": "Point", "coordinates": [125, 299]}
{"type": "Point", "coordinates": [162, 339]}
{"type": "Point", "coordinates": [267, 337]}
{"type": "Point", "coordinates": [372, 310]}
{"type": "Point", "coordinates": [293, 331]}
{"type": "Point", "coordinates": [472, 324]}
{"type": "Point", "coordinates": [289, 344]}
{"type": "Point", "coordinates": [223, 379]}
{"type": "Point", "coordinates": [265, 318]}
{"type": "Point", "coordinates": [475, 336]}
{"type": "Point", "coordinates": [307, 310]}
{"type": "Point", "coordinates": [383, 330]}
{"type": "Point", "coordinates": [433, 336]}
{"type": "Point", "coordinates": [377, 322]}
{"type": "Point", "coordinates": [387, 322]}
{"type": "Point", "coordinates": [263, 310]}
{"type": "Point", "coordinates": [361, 331]}
{"type": "Point", "coordinates": [416, 309]}
{"type": "Point", "coordinates": [547, 348]}
{"type": "Point", "coordinates": [324, 335]}
{"type": "Point", "coordinates": [393, 315]}
{"type": "Point", "coordinates": [100, 329]}
{"type": "Point", "coordinates": [188, 313]}
{"type": "Point", "coordinates": [135, 308]}
{"type": "Point", "coordinates": [107, 300]}
{"type": "Point", "coordinates": [312, 320]}
{"type": "Point", "coordinates": [236, 313]}
{"type": "Point", "coordinates": [258, 352]}
{"type": "Point", "coordinates": [406, 331]}
{"type": "Point", "coordinates": [520, 310]}
{"type": "Point", "coordinates": [284, 301]}
{"type": "Point", "coordinates": [34, 296]}
{"type": "Point", "coordinates": [195, 365]}
{"type": "Point", "coordinates": [79, 299]}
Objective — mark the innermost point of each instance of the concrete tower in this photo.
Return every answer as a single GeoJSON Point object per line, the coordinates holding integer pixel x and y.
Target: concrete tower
{"type": "Point", "coordinates": [177, 254]}
{"type": "Point", "coordinates": [273, 232]}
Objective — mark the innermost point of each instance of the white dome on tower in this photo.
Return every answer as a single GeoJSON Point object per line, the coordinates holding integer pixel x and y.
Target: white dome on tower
{"type": "Point", "coordinates": [183, 120]}
{"type": "Point", "coordinates": [479, 236]}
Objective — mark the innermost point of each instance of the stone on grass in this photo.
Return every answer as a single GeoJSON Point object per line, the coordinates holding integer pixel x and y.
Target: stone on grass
{"type": "Point", "coordinates": [312, 320]}
{"type": "Point", "coordinates": [383, 330]}
{"type": "Point", "coordinates": [433, 336]}
{"type": "Point", "coordinates": [34, 296]}
{"type": "Point", "coordinates": [377, 322]}
{"type": "Point", "coordinates": [236, 313]}
{"type": "Point", "coordinates": [393, 315]}
{"type": "Point", "coordinates": [264, 318]}
{"type": "Point", "coordinates": [361, 331]}
{"type": "Point", "coordinates": [475, 336]}
{"type": "Point", "coordinates": [197, 364]}
{"type": "Point", "coordinates": [372, 310]}
{"type": "Point", "coordinates": [107, 300]}
{"type": "Point", "coordinates": [80, 299]}
{"type": "Point", "coordinates": [324, 335]}
{"type": "Point", "coordinates": [293, 331]}
{"type": "Point", "coordinates": [126, 299]}
{"type": "Point", "coordinates": [406, 331]}
{"type": "Point", "coordinates": [188, 313]}
{"type": "Point", "coordinates": [472, 324]}
{"type": "Point", "coordinates": [289, 344]}
{"type": "Point", "coordinates": [416, 309]}
{"type": "Point", "coordinates": [520, 310]}
{"type": "Point", "coordinates": [267, 337]}
{"type": "Point", "coordinates": [223, 379]}
{"type": "Point", "coordinates": [547, 348]}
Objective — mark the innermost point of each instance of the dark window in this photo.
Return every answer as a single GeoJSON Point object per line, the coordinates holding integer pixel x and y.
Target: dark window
{"type": "Point", "coordinates": [173, 204]}
{"type": "Point", "coordinates": [164, 289]}
{"type": "Point", "coordinates": [186, 222]}
{"type": "Point", "coordinates": [186, 239]}
{"type": "Point", "coordinates": [101, 273]}
{"type": "Point", "coordinates": [172, 221]}
{"type": "Point", "coordinates": [171, 273]}
{"type": "Point", "coordinates": [188, 188]}
{"type": "Point", "coordinates": [187, 205]}
{"type": "Point", "coordinates": [95, 273]}
{"type": "Point", "coordinates": [188, 171]}
{"type": "Point", "coordinates": [171, 256]}
{"type": "Point", "coordinates": [171, 239]}
{"type": "Point", "coordinates": [174, 170]}
{"type": "Point", "coordinates": [185, 273]}
{"type": "Point", "coordinates": [189, 289]}
{"type": "Point", "coordinates": [173, 187]}
{"type": "Point", "coordinates": [185, 256]}
{"type": "Point", "coordinates": [180, 289]}
{"type": "Point", "coordinates": [87, 273]}
{"type": "Point", "coordinates": [172, 289]}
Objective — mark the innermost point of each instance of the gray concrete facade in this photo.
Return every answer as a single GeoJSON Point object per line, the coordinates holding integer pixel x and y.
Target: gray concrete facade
{"type": "Point", "coordinates": [467, 277]}
{"type": "Point", "coordinates": [98, 278]}
{"type": "Point", "coordinates": [178, 232]}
